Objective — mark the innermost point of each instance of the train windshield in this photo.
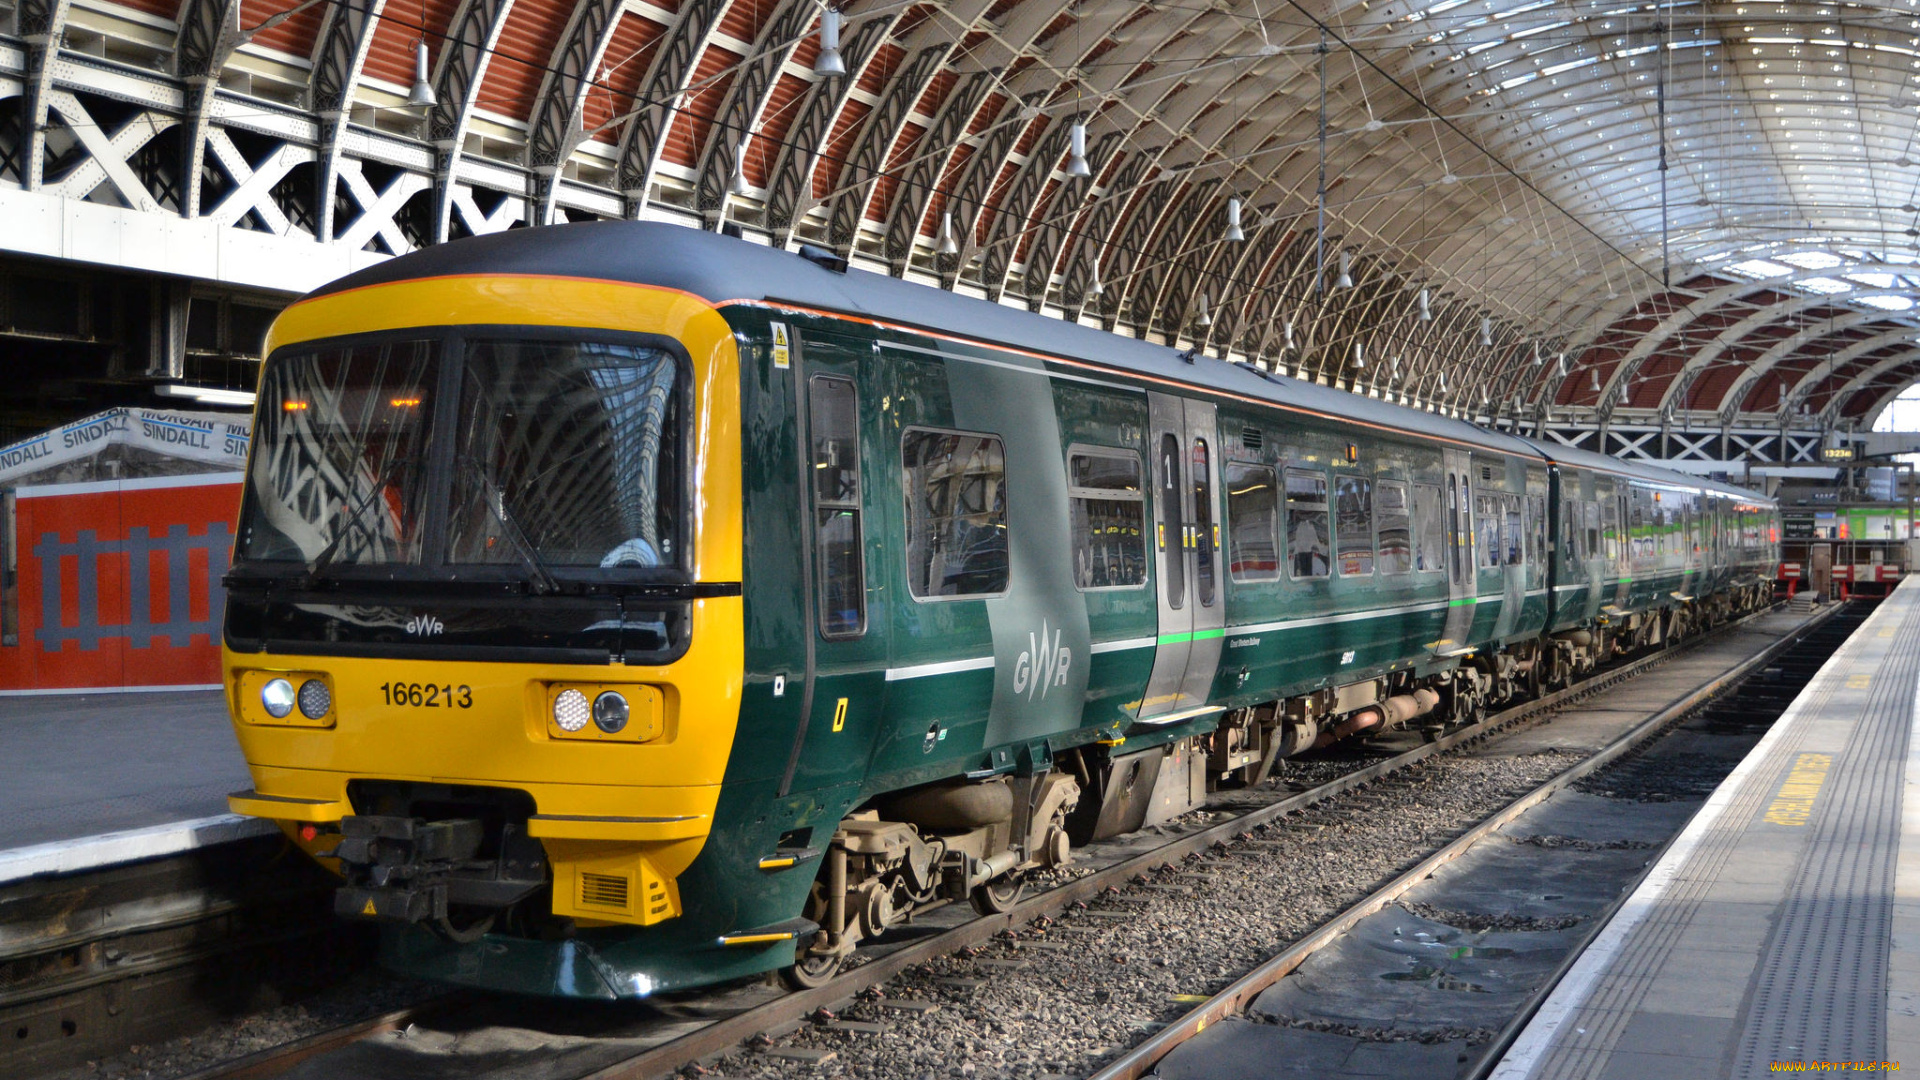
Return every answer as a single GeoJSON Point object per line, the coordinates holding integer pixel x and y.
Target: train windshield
{"type": "Point", "coordinates": [547, 458]}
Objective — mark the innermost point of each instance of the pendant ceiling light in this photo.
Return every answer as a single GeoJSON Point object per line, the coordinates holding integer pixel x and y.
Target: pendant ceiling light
{"type": "Point", "coordinates": [422, 95]}
{"type": "Point", "coordinates": [951, 246]}
{"type": "Point", "coordinates": [1537, 358]}
{"type": "Point", "coordinates": [1077, 150]}
{"type": "Point", "coordinates": [1234, 232]}
{"type": "Point", "coordinates": [1203, 320]}
{"type": "Point", "coordinates": [1287, 329]}
{"type": "Point", "coordinates": [828, 63]}
{"type": "Point", "coordinates": [1561, 365]}
{"type": "Point", "coordinates": [1426, 305]}
{"type": "Point", "coordinates": [739, 183]}
{"type": "Point", "coordinates": [1486, 331]}
{"type": "Point", "coordinates": [1359, 357]}
{"type": "Point", "coordinates": [1594, 377]}
{"type": "Point", "coordinates": [1345, 280]}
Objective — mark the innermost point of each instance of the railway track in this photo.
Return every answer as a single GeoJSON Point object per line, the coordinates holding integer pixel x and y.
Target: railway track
{"type": "Point", "coordinates": [684, 1032]}
{"type": "Point", "coordinates": [1142, 1059]}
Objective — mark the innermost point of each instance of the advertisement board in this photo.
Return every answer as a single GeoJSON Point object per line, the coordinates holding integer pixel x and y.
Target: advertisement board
{"type": "Point", "coordinates": [116, 584]}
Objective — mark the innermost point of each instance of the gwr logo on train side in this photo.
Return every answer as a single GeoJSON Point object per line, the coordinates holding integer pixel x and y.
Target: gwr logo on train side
{"type": "Point", "coordinates": [425, 626]}
{"type": "Point", "coordinates": [1043, 665]}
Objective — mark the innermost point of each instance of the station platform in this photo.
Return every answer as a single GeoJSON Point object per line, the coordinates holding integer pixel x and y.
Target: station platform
{"type": "Point", "coordinates": [1780, 930]}
{"type": "Point", "coordinates": [97, 779]}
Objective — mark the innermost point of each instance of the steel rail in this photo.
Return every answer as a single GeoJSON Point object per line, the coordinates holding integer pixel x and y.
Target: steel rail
{"type": "Point", "coordinates": [1141, 1059]}
{"type": "Point", "coordinates": [788, 1011]}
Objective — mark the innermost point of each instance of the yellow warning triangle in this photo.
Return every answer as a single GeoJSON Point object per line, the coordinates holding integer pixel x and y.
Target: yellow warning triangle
{"type": "Point", "coordinates": [368, 910]}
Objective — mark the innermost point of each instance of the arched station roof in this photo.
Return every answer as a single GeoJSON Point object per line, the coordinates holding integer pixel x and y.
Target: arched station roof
{"type": "Point", "coordinates": [1546, 209]}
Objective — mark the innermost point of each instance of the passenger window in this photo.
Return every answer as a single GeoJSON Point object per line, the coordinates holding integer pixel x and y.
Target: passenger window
{"type": "Point", "coordinates": [1487, 513]}
{"type": "Point", "coordinates": [1252, 513]}
{"type": "Point", "coordinates": [1610, 529]}
{"type": "Point", "coordinates": [1430, 530]}
{"type": "Point", "coordinates": [1206, 534]}
{"type": "Point", "coordinates": [1537, 529]}
{"type": "Point", "coordinates": [834, 422]}
{"type": "Point", "coordinates": [1307, 548]}
{"type": "Point", "coordinates": [1590, 520]}
{"type": "Point", "coordinates": [1108, 506]}
{"type": "Point", "coordinates": [1396, 529]}
{"type": "Point", "coordinates": [956, 514]}
{"type": "Point", "coordinates": [1516, 536]}
{"type": "Point", "coordinates": [1354, 527]}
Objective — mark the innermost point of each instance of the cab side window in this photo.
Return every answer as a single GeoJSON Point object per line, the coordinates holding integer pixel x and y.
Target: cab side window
{"type": "Point", "coordinates": [833, 419]}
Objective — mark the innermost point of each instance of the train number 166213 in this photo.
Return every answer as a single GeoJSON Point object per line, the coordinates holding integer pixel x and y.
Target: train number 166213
{"type": "Point", "coordinates": [427, 695]}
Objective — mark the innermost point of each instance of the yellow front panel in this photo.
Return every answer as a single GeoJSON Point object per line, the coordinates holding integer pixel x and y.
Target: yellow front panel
{"type": "Point", "coordinates": [625, 809]}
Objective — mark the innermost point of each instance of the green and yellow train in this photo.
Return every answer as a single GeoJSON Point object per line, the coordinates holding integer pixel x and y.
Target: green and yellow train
{"type": "Point", "coordinates": [620, 607]}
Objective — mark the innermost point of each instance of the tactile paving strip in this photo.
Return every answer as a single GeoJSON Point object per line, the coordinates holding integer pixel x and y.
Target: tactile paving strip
{"type": "Point", "coordinates": [1581, 1045]}
{"type": "Point", "coordinates": [1821, 990]}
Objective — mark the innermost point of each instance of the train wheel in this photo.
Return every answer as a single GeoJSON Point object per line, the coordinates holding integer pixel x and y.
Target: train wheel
{"type": "Point", "coordinates": [811, 970]}
{"type": "Point", "coordinates": [999, 895]}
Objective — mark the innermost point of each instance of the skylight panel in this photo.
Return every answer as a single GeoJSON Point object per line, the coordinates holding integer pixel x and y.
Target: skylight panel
{"type": "Point", "coordinates": [1826, 285]}
{"type": "Point", "coordinates": [1541, 29]}
{"type": "Point", "coordinates": [1556, 69]}
{"type": "Point", "coordinates": [1887, 303]}
{"type": "Point", "coordinates": [1760, 268]}
{"type": "Point", "coordinates": [1811, 260]}
{"type": "Point", "coordinates": [1873, 281]}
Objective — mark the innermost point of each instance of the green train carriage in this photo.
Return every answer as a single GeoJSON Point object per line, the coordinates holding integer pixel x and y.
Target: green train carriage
{"type": "Point", "coordinates": [1000, 585]}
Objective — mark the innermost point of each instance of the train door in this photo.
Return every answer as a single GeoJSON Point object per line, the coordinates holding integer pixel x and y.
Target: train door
{"type": "Point", "coordinates": [1187, 556]}
{"type": "Point", "coordinates": [1460, 569]}
{"type": "Point", "coordinates": [844, 684]}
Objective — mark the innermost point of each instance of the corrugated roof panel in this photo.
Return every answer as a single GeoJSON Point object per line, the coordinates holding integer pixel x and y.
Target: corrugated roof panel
{"type": "Point", "coordinates": [694, 120]}
{"type": "Point", "coordinates": [533, 31]}
{"type": "Point", "coordinates": [295, 35]}
{"type": "Point", "coordinates": [629, 53]}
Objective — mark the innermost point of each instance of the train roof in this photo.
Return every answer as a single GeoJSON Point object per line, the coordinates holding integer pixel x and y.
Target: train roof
{"type": "Point", "coordinates": [721, 269]}
{"type": "Point", "coordinates": [1587, 459]}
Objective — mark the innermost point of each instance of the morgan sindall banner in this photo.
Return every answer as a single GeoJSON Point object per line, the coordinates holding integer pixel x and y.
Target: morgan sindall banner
{"type": "Point", "coordinates": [218, 441]}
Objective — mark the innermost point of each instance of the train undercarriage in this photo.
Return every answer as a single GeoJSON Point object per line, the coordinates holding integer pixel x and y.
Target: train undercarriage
{"type": "Point", "coordinates": [977, 841]}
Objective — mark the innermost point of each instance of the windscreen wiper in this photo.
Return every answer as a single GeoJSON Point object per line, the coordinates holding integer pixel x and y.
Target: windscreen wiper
{"type": "Point", "coordinates": [324, 559]}
{"type": "Point", "coordinates": [543, 579]}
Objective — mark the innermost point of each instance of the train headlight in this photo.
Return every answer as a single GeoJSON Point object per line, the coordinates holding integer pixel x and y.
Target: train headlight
{"type": "Point", "coordinates": [277, 698]}
{"type": "Point", "coordinates": [315, 699]}
{"type": "Point", "coordinates": [570, 710]}
{"type": "Point", "coordinates": [619, 712]}
{"type": "Point", "coordinates": [610, 712]}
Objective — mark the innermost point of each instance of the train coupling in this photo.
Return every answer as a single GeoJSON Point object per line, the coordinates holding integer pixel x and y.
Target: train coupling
{"type": "Point", "coordinates": [409, 870]}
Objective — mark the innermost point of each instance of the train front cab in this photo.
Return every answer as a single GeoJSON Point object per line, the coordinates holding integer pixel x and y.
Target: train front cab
{"type": "Point", "coordinates": [483, 656]}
